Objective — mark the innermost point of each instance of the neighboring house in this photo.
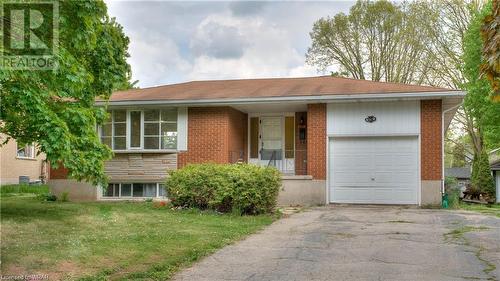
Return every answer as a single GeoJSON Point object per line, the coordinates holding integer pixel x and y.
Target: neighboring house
{"type": "Point", "coordinates": [336, 140]}
{"type": "Point", "coordinates": [461, 174]}
{"type": "Point", "coordinates": [495, 169]}
{"type": "Point", "coordinates": [20, 161]}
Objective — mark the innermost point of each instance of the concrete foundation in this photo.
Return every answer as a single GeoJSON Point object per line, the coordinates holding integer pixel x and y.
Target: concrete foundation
{"type": "Point", "coordinates": [302, 190]}
{"type": "Point", "coordinates": [431, 192]}
{"type": "Point", "coordinates": [77, 191]}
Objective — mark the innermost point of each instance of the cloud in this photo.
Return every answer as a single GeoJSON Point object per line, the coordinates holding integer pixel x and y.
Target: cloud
{"type": "Point", "coordinates": [218, 40]}
{"type": "Point", "coordinates": [246, 8]}
{"type": "Point", "coordinates": [175, 41]}
{"type": "Point", "coordinates": [268, 52]}
{"type": "Point", "coordinates": [155, 58]}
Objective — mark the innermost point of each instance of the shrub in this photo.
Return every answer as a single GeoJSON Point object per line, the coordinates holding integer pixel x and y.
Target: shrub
{"type": "Point", "coordinates": [65, 197]}
{"type": "Point", "coordinates": [47, 197]}
{"type": "Point", "coordinates": [241, 188]}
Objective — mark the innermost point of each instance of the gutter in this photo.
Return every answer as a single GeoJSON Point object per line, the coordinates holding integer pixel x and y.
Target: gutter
{"type": "Point", "coordinates": [442, 142]}
{"type": "Point", "coordinates": [319, 98]}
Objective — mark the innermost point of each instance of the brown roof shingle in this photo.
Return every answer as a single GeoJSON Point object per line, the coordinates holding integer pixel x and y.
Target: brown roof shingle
{"type": "Point", "coordinates": [270, 87]}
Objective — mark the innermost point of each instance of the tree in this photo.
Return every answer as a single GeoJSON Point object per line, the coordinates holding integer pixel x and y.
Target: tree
{"type": "Point", "coordinates": [55, 109]}
{"type": "Point", "coordinates": [477, 103]}
{"type": "Point", "coordinates": [490, 32]}
{"type": "Point", "coordinates": [380, 41]}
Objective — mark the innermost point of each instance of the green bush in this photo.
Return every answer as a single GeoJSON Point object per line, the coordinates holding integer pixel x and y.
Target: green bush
{"type": "Point", "coordinates": [47, 197]}
{"type": "Point", "coordinates": [241, 188]}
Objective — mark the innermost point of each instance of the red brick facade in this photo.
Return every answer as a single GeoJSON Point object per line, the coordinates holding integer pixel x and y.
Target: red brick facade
{"type": "Point", "coordinates": [316, 141]}
{"type": "Point", "coordinates": [215, 134]}
{"type": "Point", "coordinates": [430, 134]}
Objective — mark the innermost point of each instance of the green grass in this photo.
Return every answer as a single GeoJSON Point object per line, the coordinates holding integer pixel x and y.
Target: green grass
{"type": "Point", "coordinates": [111, 241]}
{"type": "Point", "coordinates": [22, 189]}
{"type": "Point", "coordinates": [459, 232]}
{"type": "Point", "coordinates": [493, 209]}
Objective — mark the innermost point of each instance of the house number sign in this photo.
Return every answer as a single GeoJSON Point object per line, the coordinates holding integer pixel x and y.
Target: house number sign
{"type": "Point", "coordinates": [371, 119]}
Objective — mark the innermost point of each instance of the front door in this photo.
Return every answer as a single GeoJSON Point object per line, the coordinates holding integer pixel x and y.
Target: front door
{"type": "Point", "coordinates": [271, 141]}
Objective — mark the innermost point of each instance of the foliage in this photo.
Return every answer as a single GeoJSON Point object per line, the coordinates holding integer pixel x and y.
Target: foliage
{"type": "Point", "coordinates": [377, 40]}
{"type": "Point", "coordinates": [242, 188]}
{"type": "Point", "coordinates": [490, 32]}
{"type": "Point", "coordinates": [483, 111]}
{"type": "Point", "coordinates": [23, 189]}
{"type": "Point", "coordinates": [490, 209]}
{"type": "Point", "coordinates": [481, 178]}
{"type": "Point", "coordinates": [453, 198]}
{"type": "Point", "coordinates": [55, 109]}
{"type": "Point", "coordinates": [450, 182]}
{"type": "Point", "coordinates": [112, 240]}
{"type": "Point", "coordinates": [65, 197]}
{"type": "Point", "coordinates": [48, 197]}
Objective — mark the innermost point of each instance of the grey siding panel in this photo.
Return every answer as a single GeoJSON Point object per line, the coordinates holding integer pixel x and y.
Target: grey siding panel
{"type": "Point", "coordinates": [137, 167]}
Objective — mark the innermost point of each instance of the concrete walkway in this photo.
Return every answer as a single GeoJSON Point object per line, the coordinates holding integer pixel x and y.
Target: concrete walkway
{"type": "Point", "coordinates": [362, 243]}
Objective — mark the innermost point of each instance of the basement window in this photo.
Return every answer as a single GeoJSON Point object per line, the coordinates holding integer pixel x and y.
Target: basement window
{"type": "Point", "coordinates": [134, 190]}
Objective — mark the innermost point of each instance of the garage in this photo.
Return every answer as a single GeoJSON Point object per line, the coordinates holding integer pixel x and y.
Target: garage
{"type": "Point", "coordinates": [373, 153]}
{"type": "Point", "coordinates": [373, 170]}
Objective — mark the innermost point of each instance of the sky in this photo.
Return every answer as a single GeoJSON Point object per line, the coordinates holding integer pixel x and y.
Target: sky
{"type": "Point", "coordinates": [173, 42]}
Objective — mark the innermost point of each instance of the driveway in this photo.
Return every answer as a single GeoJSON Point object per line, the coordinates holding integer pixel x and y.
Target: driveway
{"type": "Point", "coordinates": [362, 243]}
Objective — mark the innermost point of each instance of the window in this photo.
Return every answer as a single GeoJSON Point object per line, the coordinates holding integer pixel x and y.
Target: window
{"type": "Point", "coordinates": [135, 129]}
{"type": "Point", "coordinates": [146, 129]}
{"type": "Point", "coordinates": [139, 190]}
{"type": "Point", "coordinates": [27, 151]}
{"type": "Point", "coordinates": [113, 190]}
{"type": "Point", "coordinates": [114, 130]}
{"type": "Point", "coordinates": [168, 131]}
{"type": "Point", "coordinates": [151, 129]}
{"type": "Point", "coordinates": [162, 192]}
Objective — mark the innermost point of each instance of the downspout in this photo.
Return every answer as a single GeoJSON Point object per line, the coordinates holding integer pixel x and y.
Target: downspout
{"type": "Point", "coordinates": [442, 141]}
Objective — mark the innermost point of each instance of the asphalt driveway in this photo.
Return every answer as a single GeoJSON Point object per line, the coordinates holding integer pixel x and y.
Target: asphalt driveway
{"type": "Point", "coordinates": [362, 243]}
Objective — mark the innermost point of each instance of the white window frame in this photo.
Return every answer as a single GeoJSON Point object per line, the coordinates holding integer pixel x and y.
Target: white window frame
{"type": "Point", "coordinates": [30, 147]}
{"type": "Point", "coordinates": [128, 147]}
{"type": "Point", "coordinates": [157, 193]}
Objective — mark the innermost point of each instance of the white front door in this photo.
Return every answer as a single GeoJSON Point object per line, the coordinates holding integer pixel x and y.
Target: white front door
{"type": "Point", "coordinates": [271, 141]}
{"type": "Point", "coordinates": [373, 170]}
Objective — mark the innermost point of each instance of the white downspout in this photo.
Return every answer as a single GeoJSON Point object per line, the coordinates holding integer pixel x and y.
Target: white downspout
{"type": "Point", "coordinates": [442, 141]}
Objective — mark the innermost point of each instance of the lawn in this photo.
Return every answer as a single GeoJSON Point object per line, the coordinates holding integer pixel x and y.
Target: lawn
{"type": "Point", "coordinates": [111, 241]}
{"type": "Point", "coordinates": [493, 209]}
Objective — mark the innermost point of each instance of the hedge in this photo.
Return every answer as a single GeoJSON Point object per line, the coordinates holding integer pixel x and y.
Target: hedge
{"type": "Point", "coordinates": [241, 188]}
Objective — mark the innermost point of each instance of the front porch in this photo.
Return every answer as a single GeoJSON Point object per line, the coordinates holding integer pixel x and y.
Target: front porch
{"type": "Point", "coordinates": [277, 139]}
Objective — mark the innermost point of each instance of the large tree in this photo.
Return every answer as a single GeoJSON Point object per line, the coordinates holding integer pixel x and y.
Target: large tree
{"type": "Point", "coordinates": [481, 109]}
{"type": "Point", "coordinates": [490, 32]}
{"type": "Point", "coordinates": [55, 109]}
{"type": "Point", "coordinates": [380, 41]}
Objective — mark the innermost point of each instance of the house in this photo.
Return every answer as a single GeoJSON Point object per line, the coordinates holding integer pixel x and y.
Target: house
{"type": "Point", "coordinates": [336, 140]}
{"type": "Point", "coordinates": [461, 174]}
{"type": "Point", "coordinates": [494, 157]}
{"type": "Point", "coordinates": [20, 163]}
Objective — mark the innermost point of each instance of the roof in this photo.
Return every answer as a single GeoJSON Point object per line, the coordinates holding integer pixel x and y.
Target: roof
{"type": "Point", "coordinates": [495, 166]}
{"type": "Point", "coordinates": [458, 172]}
{"type": "Point", "coordinates": [269, 88]}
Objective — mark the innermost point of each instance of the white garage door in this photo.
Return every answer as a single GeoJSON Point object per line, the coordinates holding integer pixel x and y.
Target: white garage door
{"type": "Point", "coordinates": [373, 170]}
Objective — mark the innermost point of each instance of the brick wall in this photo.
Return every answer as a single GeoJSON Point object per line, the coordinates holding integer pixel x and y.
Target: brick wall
{"type": "Point", "coordinates": [237, 135]}
{"type": "Point", "coordinates": [316, 141]}
{"type": "Point", "coordinates": [430, 130]}
{"type": "Point", "coordinates": [215, 134]}
{"type": "Point", "coordinates": [59, 173]}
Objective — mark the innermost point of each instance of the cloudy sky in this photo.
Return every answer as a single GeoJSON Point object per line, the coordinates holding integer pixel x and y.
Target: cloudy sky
{"type": "Point", "coordinates": [175, 42]}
